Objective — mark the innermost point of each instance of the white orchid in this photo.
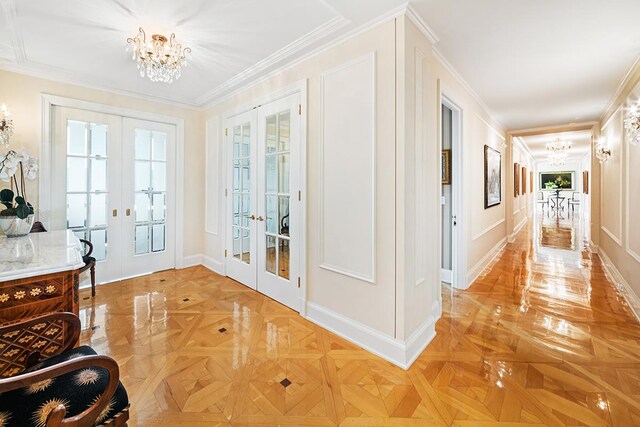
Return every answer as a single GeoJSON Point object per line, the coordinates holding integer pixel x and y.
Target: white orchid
{"type": "Point", "coordinates": [15, 166]}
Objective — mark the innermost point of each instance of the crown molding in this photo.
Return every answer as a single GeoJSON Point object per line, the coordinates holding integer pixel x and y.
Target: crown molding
{"type": "Point", "coordinates": [48, 72]}
{"type": "Point", "coordinates": [283, 54]}
{"type": "Point", "coordinates": [15, 35]}
{"type": "Point", "coordinates": [626, 86]}
{"type": "Point", "coordinates": [447, 65]}
{"type": "Point", "coordinates": [543, 130]}
{"type": "Point", "coordinates": [389, 16]}
{"type": "Point", "coordinates": [421, 25]}
{"type": "Point", "coordinates": [524, 146]}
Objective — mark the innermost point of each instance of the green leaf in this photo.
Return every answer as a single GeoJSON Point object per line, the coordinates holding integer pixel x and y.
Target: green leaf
{"type": "Point", "coordinates": [23, 211]}
{"type": "Point", "coordinates": [6, 196]}
{"type": "Point", "coordinates": [20, 200]}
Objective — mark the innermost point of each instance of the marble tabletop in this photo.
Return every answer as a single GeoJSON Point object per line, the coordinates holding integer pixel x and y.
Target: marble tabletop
{"type": "Point", "coordinates": [38, 254]}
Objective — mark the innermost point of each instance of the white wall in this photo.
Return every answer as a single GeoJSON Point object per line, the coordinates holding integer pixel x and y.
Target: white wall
{"type": "Point", "coordinates": [523, 203]}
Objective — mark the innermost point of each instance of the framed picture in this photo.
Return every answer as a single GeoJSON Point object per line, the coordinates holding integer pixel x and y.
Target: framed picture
{"type": "Point", "coordinates": [585, 182]}
{"type": "Point", "coordinates": [516, 179]}
{"type": "Point", "coordinates": [553, 181]}
{"type": "Point", "coordinates": [531, 182]}
{"type": "Point", "coordinates": [492, 177]}
{"type": "Point", "coordinates": [523, 189]}
{"type": "Point", "coordinates": [446, 166]}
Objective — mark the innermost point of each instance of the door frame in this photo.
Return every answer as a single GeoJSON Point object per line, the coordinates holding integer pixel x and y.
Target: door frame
{"type": "Point", "coordinates": [301, 87]}
{"type": "Point", "coordinates": [458, 233]}
{"type": "Point", "coordinates": [44, 185]}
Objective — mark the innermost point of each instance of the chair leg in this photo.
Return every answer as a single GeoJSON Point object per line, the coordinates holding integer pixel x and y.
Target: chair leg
{"type": "Point", "coordinates": [93, 280]}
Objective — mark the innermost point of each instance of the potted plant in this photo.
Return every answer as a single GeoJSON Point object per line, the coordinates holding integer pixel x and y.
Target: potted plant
{"type": "Point", "coordinates": [17, 217]}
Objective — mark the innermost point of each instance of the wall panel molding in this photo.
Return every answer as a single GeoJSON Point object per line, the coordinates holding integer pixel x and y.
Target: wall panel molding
{"type": "Point", "coordinates": [420, 206]}
{"type": "Point", "coordinates": [627, 241]}
{"type": "Point", "coordinates": [347, 219]}
{"type": "Point", "coordinates": [488, 229]}
{"type": "Point", "coordinates": [212, 175]}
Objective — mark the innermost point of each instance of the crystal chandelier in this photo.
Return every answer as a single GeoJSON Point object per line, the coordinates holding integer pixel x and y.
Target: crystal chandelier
{"type": "Point", "coordinates": [603, 153]}
{"type": "Point", "coordinates": [557, 159]}
{"type": "Point", "coordinates": [6, 126]}
{"type": "Point", "coordinates": [160, 58]}
{"type": "Point", "coordinates": [632, 124]}
{"type": "Point", "coordinates": [559, 146]}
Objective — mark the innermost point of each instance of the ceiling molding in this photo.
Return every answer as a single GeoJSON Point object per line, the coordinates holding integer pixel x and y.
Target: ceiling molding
{"type": "Point", "coordinates": [626, 86]}
{"type": "Point", "coordinates": [524, 146]}
{"type": "Point", "coordinates": [421, 25]}
{"type": "Point", "coordinates": [15, 35]}
{"type": "Point", "coordinates": [48, 72]}
{"type": "Point", "coordinates": [447, 65]}
{"type": "Point", "coordinates": [544, 130]}
{"type": "Point", "coordinates": [260, 78]}
{"type": "Point", "coordinates": [283, 54]}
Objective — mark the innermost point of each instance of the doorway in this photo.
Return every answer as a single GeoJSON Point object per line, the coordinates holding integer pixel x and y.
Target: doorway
{"type": "Point", "coordinates": [117, 175]}
{"type": "Point", "coordinates": [452, 263]}
{"type": "Point", "coordinates": [263, 232]}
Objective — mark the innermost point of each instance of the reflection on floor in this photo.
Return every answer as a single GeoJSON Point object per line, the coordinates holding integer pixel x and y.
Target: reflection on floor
{"type": "Point", "coordinates": [541, 338]}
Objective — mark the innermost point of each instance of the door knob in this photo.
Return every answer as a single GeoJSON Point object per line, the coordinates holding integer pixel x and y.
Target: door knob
{"type": "Point", "coordinates": [128, 212]}
{"type": "Point", "coordinates": [115, 212]}
{"type": "Point", "coordinates": [455, 220]}
{"type": "Point", "coordinates": [260, 218]}
{"type": "Point", "coordinates": [252, 217]}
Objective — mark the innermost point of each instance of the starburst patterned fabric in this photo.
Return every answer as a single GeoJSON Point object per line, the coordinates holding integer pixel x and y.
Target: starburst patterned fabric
{"type": "Point", "coordinates": [30, 406]}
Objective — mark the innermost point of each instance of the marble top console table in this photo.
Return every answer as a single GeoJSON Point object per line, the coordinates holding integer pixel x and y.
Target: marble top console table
{"type": "Point", "coordinates": [39, 274]}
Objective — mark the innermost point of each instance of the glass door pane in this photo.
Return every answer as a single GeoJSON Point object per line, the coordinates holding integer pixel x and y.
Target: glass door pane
{"type": "Point", "coordinates": [241, 193]}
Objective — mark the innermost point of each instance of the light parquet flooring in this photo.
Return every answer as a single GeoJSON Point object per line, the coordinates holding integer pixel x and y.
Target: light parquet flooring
{"type": "Point", "coordinates": [541, 338]}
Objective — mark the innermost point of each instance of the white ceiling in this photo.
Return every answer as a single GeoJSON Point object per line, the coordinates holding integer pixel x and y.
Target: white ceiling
{"type": "Point", "coordinates": [580, 147]}
{"type": "Point", "coordinates": [533, 63]}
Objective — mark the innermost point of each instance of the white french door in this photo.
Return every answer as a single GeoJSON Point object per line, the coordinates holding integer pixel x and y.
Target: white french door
{"type": "Point", "coordinates": [263, 233]}
{"type": "Point", "coordinates": [114, 185]}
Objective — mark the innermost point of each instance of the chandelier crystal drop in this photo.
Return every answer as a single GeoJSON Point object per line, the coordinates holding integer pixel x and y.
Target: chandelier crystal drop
{"type": "Point", "coordinates": [557, 159]}
{"type": "Point", "coordinates": [632, 124]}
{"type": "Point", "coordinates": [6, 126]}
{"type": "Point", "coordinates": [161, 59]}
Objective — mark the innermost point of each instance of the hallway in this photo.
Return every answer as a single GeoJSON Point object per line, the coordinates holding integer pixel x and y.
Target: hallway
{"type": "Point", "coordinates": [541, 338]}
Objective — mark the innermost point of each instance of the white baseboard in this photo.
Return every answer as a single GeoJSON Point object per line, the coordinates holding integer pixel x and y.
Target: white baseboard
{"type": "Point", "coordinates": [593, 247]}
{"type": "Point", "coordinates": [516, 230]}
{"type": "Point", "coordinates": [477, 269]}
{"type": "Point", "coordinates": [621, 284]}
{"type": "Point", "coordinates": [400, 353]}
{"type": "Point", "coordinates": [189, 261]}
{"type": "Point", "coordinates": [214, 265]}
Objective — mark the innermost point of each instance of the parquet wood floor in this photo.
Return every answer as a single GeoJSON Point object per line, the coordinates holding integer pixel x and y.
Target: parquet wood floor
{"type": "Point", "coordinates": [541, 338]}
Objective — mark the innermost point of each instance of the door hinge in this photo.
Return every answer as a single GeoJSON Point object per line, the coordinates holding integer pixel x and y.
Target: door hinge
{"type": "Point", "coordinates": [226, 131]}
{"type": "Point", "coordinates": [225, 253]}
{"type": "Point", "coordinates": [299, 195]}
{"type": "Point", "coordinates": [298, 283]}
{"type": "Point", "coordinates": [225, 192]}
{"type": "Point", "coordinates": [299, 109]}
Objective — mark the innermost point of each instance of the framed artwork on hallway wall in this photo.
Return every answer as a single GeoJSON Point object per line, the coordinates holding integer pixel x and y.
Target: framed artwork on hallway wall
{"type": "Point", "coordinates": [516, 179]}
{"type": "Point", "coordinates": [446, 166]}
{"type": "Point", "coordinates": [492, 177]}
{"type": "Point", "coordinates": [531, 182]}
{"type": "Point", "coordinates": [523, 188]}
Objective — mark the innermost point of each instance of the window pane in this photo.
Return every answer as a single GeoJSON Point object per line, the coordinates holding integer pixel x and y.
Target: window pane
{"type": "Point", "coordinates": [99, 241]}
{"type": "Point", "coordinates": [246, 139]}
{"type": "Point", "coordinates": [98, 139]}
{"type": "Point", "coordinates": [246, 175]}
{"type": "Point", "coordinates": [142, 176]}
{"type": "Point", "coordinates": [142, 239]}
{"type": "Point", "coordinates": [237, 203]}
{"type": "Point", "coordinates": [236, 142]}
{"type": "Point", "coordinates": [81, 234]}
{"type": "Point", "coordinates": [98, 217]}
{"type": "Point", "coordinates": [158, 207]}
{"type": "Point", "coordinates": [246, 209]}
{"type": "Point", "coordinates": [283, 219]}
{"type": "Point", "coordinates": [236, 175]}
{"type": "Point", "coordinates": [237, 242]}
{"type": "Point", "coordinates": [271, 134]}
{"type": "Point", "coordinates": [271, 254]}
{"type": "Point", "coordinates": [142, 207]}
{"type": "Point", "coordinates": [272, 214]}
{"type": "Point", "coordinates": [98, 175]}
{"type": "Point", "coordinates": [158, 238]}
{"type": "Point", "coordinates": [283, 173]}
{"type": "Point", "coordinates": [76, 174]}
{"type": "Point", "coordinates": [283, 258]}
{"type": "Point", "coordinates": [283, 144]}
{"type": "Point", "coordinates": [143, 144]}
{"type": "Point", "coordinates": [246, 245]}
{"type": "Point", "coordinates": [76, 138]}
{"type": "Point", "coordinates": [271, 174]}
{"type": "Point", "coordinates": [159, 176]}
{"type": "Point", "coordinates": [159, 146]}
{"type": "Point", "coordinates": [76, 210]}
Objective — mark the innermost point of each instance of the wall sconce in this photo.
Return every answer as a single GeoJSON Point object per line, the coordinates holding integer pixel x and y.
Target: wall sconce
{"type": "Point", "coordinates": [603, 153]}
{"type": "Point", "coordinates": [632, 124]}
{"type": "Point", "coordinates": [6, 126]}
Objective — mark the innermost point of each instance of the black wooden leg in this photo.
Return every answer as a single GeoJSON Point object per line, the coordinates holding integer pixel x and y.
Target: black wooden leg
{"type": "Point", "coordinates": [93, 280]}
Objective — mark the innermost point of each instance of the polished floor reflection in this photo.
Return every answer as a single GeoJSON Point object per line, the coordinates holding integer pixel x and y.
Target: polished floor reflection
{"type": "Point", "coordinates": [541, 338]}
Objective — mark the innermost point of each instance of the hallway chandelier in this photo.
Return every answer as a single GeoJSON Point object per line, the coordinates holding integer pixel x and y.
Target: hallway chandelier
{"type": "Point", "coordinates": [557, 159]}
{"type": "Point", "coordinates": [160, 58]}
{"type": "Point", "coordinates": [559, 146]}
{"type": "Point", "coordinates": [632, 124]}
{"type": "Point", "coordinates": [6, 126]}
{"type": "Point", "coordinates": [603, 153]}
